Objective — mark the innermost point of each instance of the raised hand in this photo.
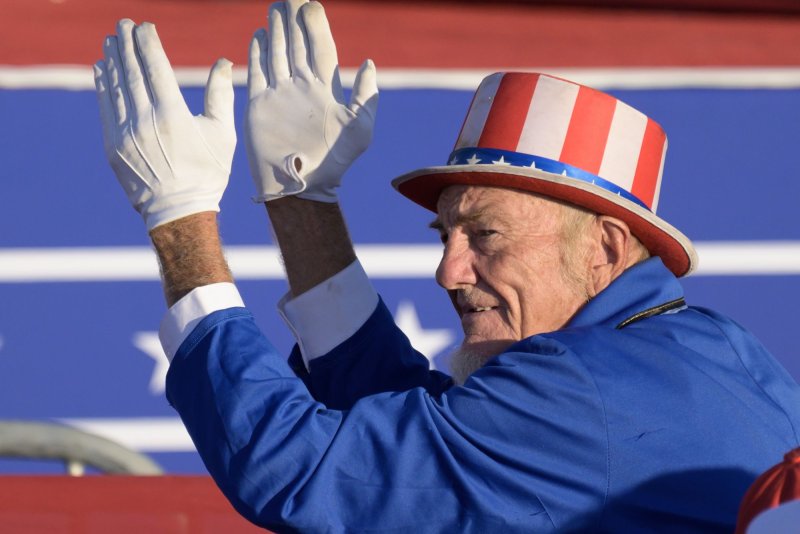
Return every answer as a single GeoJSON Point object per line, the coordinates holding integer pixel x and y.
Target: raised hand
{"type": "Point", "coordinates": [170, 163]}
{"type": "Point", "coordinates": [300, 134]}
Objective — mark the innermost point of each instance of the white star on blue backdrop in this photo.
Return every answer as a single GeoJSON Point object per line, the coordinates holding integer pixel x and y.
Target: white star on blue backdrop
{"type": "Point", "coordinates": [429, 342]}
{"type": "Point", "coordinates": [149, 343]}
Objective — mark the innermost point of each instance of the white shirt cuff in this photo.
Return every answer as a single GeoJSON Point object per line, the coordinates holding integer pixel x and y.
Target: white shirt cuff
{"type": "Point", "coordinates": [328, 314]}
{"type": "Point", "coordinates": [184, 315]}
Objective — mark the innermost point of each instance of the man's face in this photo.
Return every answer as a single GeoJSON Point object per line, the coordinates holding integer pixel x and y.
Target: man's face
{"type": "Point", "coordinates": [508, 265]}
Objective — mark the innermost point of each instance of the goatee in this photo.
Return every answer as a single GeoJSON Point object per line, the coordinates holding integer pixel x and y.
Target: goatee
{"type": "Point", "coordinates": [466, 359]}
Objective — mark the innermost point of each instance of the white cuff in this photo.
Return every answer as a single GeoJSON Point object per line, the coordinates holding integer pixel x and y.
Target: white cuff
{"type": "Point", "coordinates": [184, 315]}
{"type": "Point", "coordinates": [331, 312]}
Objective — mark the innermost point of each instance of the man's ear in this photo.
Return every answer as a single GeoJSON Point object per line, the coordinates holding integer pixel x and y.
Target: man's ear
{"type": "Point", "coordinates": [614, 251]}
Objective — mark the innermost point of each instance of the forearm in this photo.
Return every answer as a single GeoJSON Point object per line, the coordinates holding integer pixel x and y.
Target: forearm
{"type": "Point", "coordinates": [313, 239]}
{"type": "Point", "coordinates": [190, 255]}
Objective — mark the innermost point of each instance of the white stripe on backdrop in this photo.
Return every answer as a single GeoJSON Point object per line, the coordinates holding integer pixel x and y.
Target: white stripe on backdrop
{"type": "Point", "coordinates": [79, 77]}
{"type": "Point", "coordinates": [115, 264]}
{"type": "Point", "coordinates": [144, 434]}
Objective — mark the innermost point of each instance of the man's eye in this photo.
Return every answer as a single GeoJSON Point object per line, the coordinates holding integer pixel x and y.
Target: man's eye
{"type": "Point", "coordinates": [486, 233]}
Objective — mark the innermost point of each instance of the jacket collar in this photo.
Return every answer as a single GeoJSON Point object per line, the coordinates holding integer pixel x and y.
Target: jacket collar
{"type": "Point", "coordinates": [646, 289]}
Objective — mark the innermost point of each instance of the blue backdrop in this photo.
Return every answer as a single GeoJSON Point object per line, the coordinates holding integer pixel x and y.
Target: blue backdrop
{"type": "Point", "coordinates": [83, 351]}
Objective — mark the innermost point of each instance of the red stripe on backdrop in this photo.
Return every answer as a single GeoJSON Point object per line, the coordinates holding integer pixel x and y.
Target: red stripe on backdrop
{"type": "Point", "coordinates": [413, 33]}
{"type": "Point", "coordinates": [509, 111]}
{"type": "Point", "coordinates": [649, 165]}
{"type": "Point", "coordinates": [588, 130]}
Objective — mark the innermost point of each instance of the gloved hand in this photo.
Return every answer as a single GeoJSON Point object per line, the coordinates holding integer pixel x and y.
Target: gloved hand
{"type": "Point", "coordinates": [170, 164]}
{"type": "Point", "coordinates": [300, 135]}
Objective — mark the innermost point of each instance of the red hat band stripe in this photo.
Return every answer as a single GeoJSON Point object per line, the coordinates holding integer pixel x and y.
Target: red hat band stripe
{"type": "Point", "coordinates": [588, 130]}
{"type": "Point", "coordinates": [509, 110]}
{"type": "Point", "coordinates": [660, 175]}
{"type": "Point", "coordinates": [650, 165]}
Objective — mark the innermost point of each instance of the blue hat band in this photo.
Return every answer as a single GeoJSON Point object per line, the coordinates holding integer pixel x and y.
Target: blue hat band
{"type": "Point", "coordinates": [492, 156]}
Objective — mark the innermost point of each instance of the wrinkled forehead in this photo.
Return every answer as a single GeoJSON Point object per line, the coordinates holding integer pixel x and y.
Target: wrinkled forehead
{"type": "Point", "coordinates": [459, 202]}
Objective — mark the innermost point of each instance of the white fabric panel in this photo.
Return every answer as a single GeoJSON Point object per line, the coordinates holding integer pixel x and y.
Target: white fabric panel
{"type": "Point", "coordinates": [184, 315]}
{"type": "Point", "coordinates": [623, 146]}
{"type": "Point", "coordinates": [478, 112]}
{"type": "Point", "coordinates": [548, 118]}
{"type": "Point", "coordinates": [331, 312]}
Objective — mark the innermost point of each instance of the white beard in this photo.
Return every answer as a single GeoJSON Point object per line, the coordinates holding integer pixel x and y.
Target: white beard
{"type": "Point", "coordinates": [464, 361]}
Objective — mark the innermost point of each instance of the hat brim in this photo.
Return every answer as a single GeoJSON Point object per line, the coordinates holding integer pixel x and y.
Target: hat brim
{"type": "Point", "coordinates": [424, 186]}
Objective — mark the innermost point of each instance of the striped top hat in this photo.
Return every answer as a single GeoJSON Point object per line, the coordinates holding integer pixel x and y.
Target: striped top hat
{"type": "Point", "coordinates": [542, 134]}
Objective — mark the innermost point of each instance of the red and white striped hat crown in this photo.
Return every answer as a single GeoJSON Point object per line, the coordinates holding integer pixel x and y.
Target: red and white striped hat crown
{"type": "Point", "coordinates": [553, 137]}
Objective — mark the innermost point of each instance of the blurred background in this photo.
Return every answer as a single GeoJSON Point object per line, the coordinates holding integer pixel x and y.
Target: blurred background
{"type": "Point", "coordinates": [80, 300]}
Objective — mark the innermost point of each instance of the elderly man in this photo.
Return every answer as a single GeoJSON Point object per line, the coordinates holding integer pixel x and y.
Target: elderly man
{"type": "Point", "coordinates": [587, 395]}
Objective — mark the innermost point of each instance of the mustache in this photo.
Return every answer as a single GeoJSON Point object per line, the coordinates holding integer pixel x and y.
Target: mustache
{"type": "Point", "coordinates": [473, 298]}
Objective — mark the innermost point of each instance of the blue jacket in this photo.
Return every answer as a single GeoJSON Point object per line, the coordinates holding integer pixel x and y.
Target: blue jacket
{"type": "Point", "coordinates": [642, 415]}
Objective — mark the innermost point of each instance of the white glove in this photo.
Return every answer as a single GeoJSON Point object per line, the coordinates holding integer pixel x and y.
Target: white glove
{"type": "Point", "coordinates": [300, 135]}
{"type": "Point", "coordinates": [170, 163]}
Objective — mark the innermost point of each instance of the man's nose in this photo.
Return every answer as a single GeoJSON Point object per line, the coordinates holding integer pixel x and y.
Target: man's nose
{"type": "Point", "coordinates": [456, 269]}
